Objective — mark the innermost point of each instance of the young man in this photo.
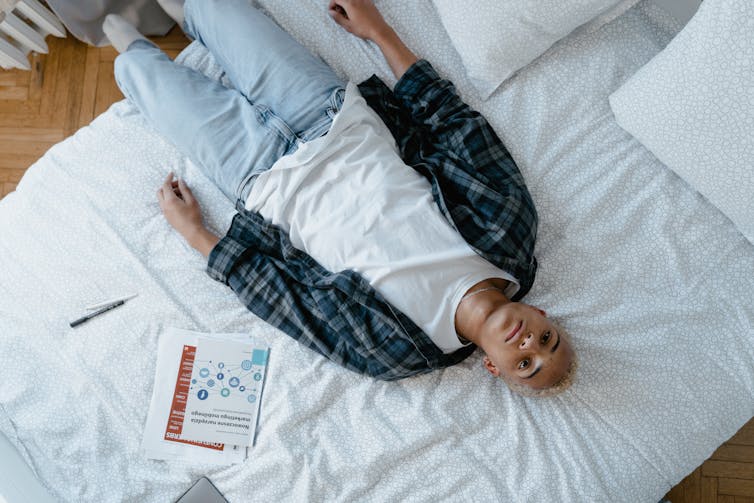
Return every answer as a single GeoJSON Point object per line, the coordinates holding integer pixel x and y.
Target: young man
{"type": "Point", "coordinates": [386, 270]}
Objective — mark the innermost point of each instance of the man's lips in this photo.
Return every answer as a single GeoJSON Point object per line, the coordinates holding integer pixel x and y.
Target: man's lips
{"type": "Point", "coordinates": [515, 331]}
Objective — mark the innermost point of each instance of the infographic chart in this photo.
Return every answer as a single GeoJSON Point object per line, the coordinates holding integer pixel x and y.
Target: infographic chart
{"type": "Point", "coordinates": [224, 393]}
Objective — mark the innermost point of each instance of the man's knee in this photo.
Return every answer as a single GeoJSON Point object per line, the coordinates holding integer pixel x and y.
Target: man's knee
{"type": "Point", "coordinates": [132, 64]}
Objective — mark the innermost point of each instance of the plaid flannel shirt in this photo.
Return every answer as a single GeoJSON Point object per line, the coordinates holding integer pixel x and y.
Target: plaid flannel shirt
{"type": "Point", "coordinates": [478, 189]}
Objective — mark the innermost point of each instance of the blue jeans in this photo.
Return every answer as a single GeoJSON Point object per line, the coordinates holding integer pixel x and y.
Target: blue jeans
{"type": "Point", "coordinates": [284, 95]}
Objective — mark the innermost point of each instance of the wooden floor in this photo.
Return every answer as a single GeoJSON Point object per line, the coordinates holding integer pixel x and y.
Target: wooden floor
{"type": "Point", "coordinates": [74, 83]}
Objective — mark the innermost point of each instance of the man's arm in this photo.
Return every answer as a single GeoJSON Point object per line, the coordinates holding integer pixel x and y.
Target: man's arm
{"type": "Point", "coordinates": [361, 18]}
{"type": "Point", "coordinates": [337, 315]}
{"type": "Point", "coordinates": [475, 181]}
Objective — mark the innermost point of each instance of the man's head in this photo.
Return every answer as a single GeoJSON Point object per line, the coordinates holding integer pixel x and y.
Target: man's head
{"type": "Point", "coordinates": [528, 351]}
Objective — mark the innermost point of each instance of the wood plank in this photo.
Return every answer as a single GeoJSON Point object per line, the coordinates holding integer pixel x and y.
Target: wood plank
{"type": "Point", "coordinates": [75, 89]}
{"type": "Point", "coordinates": [11, 111]}
{"type": "Point", "coordinates": [50, 72]}
{"type": "Point", "coordinates": [107, 54]}
{"type": "Point", "coordinates": [22, 77]}
{"type": "Point", "coordinates": [734, 452]}
{"type": "Point", "coordinates": [744, 499]}
{"type": "Point", "coordinates": [709, 490]}
{"type": "Point", "coordinates": [7, 188]}
{"type": "Point", "coordinates": [735, 487]}
{"type": "Point", "coordinates": [107, 90]}
{"type": "Point", "coordinates": [46, 135]}
{"type": "Point", "coordinates": [89, 88]}
{"type": "Point", "coordinates": [28, 148]}
{"type": "Point", "coordinates": [8, 77]}
{"type": "Point", "coordinates": [11, 175]}
{"type": "Point", "coordinates": [724, 498]}
{"type": "Point", "coordinates": [173, 53]}
{"type": "Point", "coordinates": [27, 121]}
{"type": "Point", "coordinates": [675, 495]}
{"type": "Point", "coordinates": [692, 487]}
{"type": "Point", "coordinates": [744, 436]}
{"type": "Point", "coordinates": [14, 93]}
{"type": "Point", "coordinates": [732, 469]}
{"type": "Point", "coordinates": [66, 73]}
{"type": "Point", "coordinates": [14, 77]}
{"type": "Point", "coordinates": [9, 160]}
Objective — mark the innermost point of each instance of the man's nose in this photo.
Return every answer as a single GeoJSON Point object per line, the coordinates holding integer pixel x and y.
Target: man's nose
{"type": "Point", "coordinates": [528, 341]}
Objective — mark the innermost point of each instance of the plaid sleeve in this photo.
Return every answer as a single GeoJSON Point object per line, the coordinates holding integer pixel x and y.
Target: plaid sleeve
{"type": "Point", "coordinates": [456, 132]}
{"type": "Point", "coordinates": [337, 315]}
{"type": "Point", "coordinates": [474, 179]}
{"type": "Point", "coordinates": [223, 257]}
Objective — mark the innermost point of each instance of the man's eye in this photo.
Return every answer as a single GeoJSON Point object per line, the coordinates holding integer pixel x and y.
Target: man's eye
{"type": "Point", "coordinates": [546, 337]}
{"type": "Point", "coordinates": [523, 364]}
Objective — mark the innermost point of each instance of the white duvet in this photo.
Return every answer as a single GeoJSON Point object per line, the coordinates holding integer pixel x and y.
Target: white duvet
{"type": "Point", "coordinates": [653, 282]}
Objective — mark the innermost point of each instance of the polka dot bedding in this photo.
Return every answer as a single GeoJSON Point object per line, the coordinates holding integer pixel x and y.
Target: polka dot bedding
{"type": "Point", "coordinates": [652, 281]}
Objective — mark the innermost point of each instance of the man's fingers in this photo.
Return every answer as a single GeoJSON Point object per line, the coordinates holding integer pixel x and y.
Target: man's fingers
{"type": "Point", "coordinates": [167, 188]}
{"type": "Point", "coordinates": [173, 190]}
{"type": "Point", "coordinates": [338, 13]}
{"type": "Point", "coordinates": [188, 196]}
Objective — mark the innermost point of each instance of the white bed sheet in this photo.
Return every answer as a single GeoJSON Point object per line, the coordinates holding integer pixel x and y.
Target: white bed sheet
{"type": "Point", "coordinates": [652, 281]}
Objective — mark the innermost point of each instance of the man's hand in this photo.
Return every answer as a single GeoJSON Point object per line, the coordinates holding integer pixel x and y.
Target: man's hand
{"type": "Point", "coordinates": [359, 17]}
{"type": "Point", "coordinates": [182, 211]}
{"type": "Point", "coordinates": [362, 18]}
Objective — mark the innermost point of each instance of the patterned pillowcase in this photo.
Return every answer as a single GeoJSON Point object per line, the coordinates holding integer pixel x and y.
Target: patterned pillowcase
{"type": "Point", "coordinates": [496, 38]}
{"type": "Point", "coordinates": [693, 107]}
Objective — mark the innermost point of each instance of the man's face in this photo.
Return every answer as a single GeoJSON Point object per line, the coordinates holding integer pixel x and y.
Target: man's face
{"type": "Point", "coordinates": [526, 347]}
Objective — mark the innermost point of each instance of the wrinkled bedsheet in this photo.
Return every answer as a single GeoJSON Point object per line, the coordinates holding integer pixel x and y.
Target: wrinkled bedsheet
{"type": "Point", "coordinates": [652, 281]}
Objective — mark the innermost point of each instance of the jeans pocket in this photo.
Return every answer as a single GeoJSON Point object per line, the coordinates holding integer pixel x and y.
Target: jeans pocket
{"type": "Point", "coordinates": [336, 102]}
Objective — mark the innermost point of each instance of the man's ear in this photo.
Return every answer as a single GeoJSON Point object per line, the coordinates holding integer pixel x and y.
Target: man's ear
{"type": "Point", "coordinates": [491, 368]}
{"type": "Point", "coordinates": [540, 311]}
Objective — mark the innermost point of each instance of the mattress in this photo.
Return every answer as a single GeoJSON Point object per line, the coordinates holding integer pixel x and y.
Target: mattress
{"type": "Point", "coordinates": [653, 283]}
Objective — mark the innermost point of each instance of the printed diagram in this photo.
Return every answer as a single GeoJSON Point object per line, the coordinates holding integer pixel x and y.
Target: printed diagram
{"type": "Point", "coordinates": [232, 380]}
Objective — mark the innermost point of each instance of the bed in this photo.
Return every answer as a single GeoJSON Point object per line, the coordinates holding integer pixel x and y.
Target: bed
{"type": "Point", "coordinates": [652, 281]}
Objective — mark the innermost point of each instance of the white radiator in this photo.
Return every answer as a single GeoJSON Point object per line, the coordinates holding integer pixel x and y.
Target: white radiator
{"type": "Point", "coordinates": [24, 24]}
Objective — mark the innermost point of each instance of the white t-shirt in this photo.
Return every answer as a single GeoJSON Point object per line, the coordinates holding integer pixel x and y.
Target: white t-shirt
{"type": "Point", "coordinates": [348, 200]}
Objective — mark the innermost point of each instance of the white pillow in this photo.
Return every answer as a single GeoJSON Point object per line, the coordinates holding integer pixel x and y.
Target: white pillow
{"type": "Point", "coordinates": [496, 38]}
{"type": "Point", "coordinates": [693, 107]}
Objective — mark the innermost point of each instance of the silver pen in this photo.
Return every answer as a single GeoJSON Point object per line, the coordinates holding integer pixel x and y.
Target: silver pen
{"type": "Point", "coordinates": [111, 301]}
{"type": "Point", "coordinates": [89, 316]}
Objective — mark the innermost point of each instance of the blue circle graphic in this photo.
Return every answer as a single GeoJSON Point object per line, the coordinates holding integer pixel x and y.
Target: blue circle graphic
{"type": "Point", "coordinates": [242, 388]}
{"type": "Point", "coordinates": [203, 394]}
{"type": "Point", "coordinates": [221, 365]}
{"type": "Point", "coordinates": [246, 364]}
{"type": "Point", "coordinates": [220, 376]}
{"type": "Point", "coordinates": [210, 383]}
{"type": "Point", "coordinates": [225, 392]}
{"type": "Point", "coordinates": [193, 381]}
{"type": "Point", "coordinates": [251, 398]}
{"type": "Point", "coordinates": [257, 376]}
{"type": "Point", "coordinates": [234, 381]}
{"type": "Point", "coordinates": [204, 372]}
